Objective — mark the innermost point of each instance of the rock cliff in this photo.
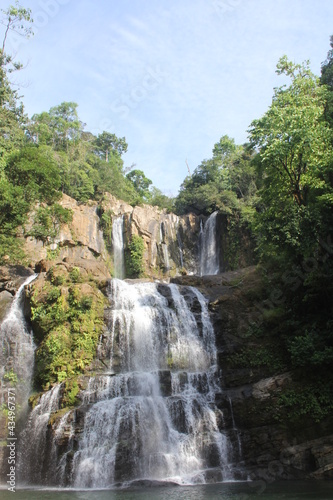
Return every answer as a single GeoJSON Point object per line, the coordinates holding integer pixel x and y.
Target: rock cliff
{"type": "Point", "coordinates": [171, 243]}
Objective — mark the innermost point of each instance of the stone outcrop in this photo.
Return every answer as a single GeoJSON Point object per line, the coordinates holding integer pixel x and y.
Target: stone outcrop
{"type": "Point", "coordinates": [82, 238]}
{"type": "Point", "coordinates": [171, 242]}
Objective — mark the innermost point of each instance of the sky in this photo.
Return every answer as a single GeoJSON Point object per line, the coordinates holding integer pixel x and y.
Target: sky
{"type": "Point", "coordinates": [171, 76]}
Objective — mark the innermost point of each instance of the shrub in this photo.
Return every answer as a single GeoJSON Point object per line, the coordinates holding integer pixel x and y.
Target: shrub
{"type": "Point", "coordinates": [134, 257]}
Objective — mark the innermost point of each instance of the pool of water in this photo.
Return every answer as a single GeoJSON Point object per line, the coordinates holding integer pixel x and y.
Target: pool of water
{"type": "Point", "coordinates": [288, 490]}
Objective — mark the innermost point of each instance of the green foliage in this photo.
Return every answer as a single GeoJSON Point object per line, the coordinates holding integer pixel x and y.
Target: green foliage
{"type": "Point", "coordinates": [75, 275]}
{"type": "Point", "coordinates": [70, 392]}
{"type": "Point", "coordinates": [88, 165]}
{"type": "Point", "coordinates": [226, 182]}
{"type": "Point", "coordinates": [11, 376]}
{"type": "Point", "coordinates": [67, 325]}
{"type": "Point", "coordinates": [293, 227]}
{"type": "Point", "coordinates": [140, 182]}
{"type": "Point", "coordinates": [11, 250]}
{"type": "Point", "coordinates": [107, 144]}
{"type": "Point", "coordinates": [15, 19]}
{"type": "Point", "coordinates": [48, 221]}
{"type": "Point", "coordinates": [327, 79]}
{"type": "Point", "coordinates": [134, 257]}
{"type": "Point", "coordinates": [30, 175]}
{"type": "Point", "coordinates": [53, 295]}
{"type": "Point", "coordinates": [52, 254]}
{"type": "Point", "coordinates": [59, 128]}
{"type": "Point", "coordinates": [307, 400]}
{"type": "Point", "coordinates": [105, 218]}
{"type": "Point", "coordinates": [35, 171]}
{"type": "Point", "coordinates": [157, 198]}
{"type": "Point", "coordinates": [313, 349]}
{"type": "Point", "coordinates": [271, 358]}
{"type": "Point", "coordinates": [295, 150]}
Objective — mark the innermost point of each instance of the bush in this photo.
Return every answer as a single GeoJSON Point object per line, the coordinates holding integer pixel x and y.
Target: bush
{"type": "Point", "coordinates": [134, 257]}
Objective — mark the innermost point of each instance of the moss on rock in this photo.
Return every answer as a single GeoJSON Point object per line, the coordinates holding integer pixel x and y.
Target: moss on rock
{"type": "Point", "coordinates": [67, 317]}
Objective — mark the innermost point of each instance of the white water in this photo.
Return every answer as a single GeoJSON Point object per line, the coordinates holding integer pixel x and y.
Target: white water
{"type": "Point", "coordinates": [180, 248]}
{"type": "Point", "coordinates": [17, 348]}
{"type": "Point", "coordinates": [209, 254]}
{"type": "Point", "coordinates": [164, 246]}
{"type": "Point", "coordinates": [235, 429]}
{"type": "Point", "coordinates": [166, 256]}
{"type": "Point", "coordinates": [34, 443]}
{"type": "Point", "coordinates": [118, 247]}
{"type": "Point", "coordinates": [155, 418]}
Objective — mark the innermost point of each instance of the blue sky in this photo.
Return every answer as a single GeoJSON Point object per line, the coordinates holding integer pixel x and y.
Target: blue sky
{"type": "Point", "coordinates": [172, 76]}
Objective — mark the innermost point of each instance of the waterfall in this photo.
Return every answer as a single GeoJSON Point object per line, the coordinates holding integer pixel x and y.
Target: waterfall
{"type": "Point", "coordinates": [34, 463]}
{"type": "Point", "coordinates": [17, 348]}
{"type": "Point", "coordinates": [209, 254]}
{"type": "Point", "coordinates": [235, 430]}
{"type": "Point", "coordinates": [180, 244]}
{"type": "Point", "coordinates": [153, 416]}
{"type": "Point", "coordinates": [118, 247]}
{"type": "Point", "coordinates": [164, 246]}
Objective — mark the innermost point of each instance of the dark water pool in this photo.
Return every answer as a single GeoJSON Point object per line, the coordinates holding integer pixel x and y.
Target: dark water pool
{"type": "Point", "coordinates": [289, 490]}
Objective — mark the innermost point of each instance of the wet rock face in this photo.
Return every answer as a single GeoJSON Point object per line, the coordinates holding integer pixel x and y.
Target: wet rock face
{"type": "Point", "coordinates": [5, 302]}
{"type": "Point", "coordinates": [270, 447]}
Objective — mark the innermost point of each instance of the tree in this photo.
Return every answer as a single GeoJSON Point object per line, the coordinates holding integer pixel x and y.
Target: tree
{"type": "Point", "coordinates": [35, 170]}
{"type": "Point", "coordinates": [106, 144]}
{"type": "Point", "coordinates": [161, 200]}
{"type": "Point", "coordinates": [65, 124]}
{"type": "Point", "coordinates": [327, 79]}
{"type": "Point", "coordinates": [218, 183]}
{"type": "Point", "coordinates": [292, 137]}
{"type": "Point", "coordinates": [39, 129]}
{"type": "Point", "coordinates": [293, 224]}
{"type": "Point", "coordinates": [140, 182]}
{"type": "Point", "coordinates": [15, 19]}
{"type": "Point", "coordinates": [224, 148]}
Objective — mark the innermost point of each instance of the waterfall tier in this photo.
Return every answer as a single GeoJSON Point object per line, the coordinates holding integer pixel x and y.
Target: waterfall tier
{"type": "Point", "coordinates": [152, 415]}
{"type": "Point", "coordinates": [118, 247]}
{"type": "Point", "coordinates": [17, 348]}
{"type": "Point", "coordinates": [209, 251]}
{"type": "Point", "coordinates": [155, 418]}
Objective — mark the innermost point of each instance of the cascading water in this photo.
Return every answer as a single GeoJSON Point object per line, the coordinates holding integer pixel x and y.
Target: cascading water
{"type": "Point", "coordinates": [209, 254]}
{"type": "Point", "coordinates": [153, 415]}
{"type": "Point", "coordinates": [17, 348]}
{"type": "Point", "coordinates": [180, 244]}
{"type": "Point", "coordinates": [164, 246]}
{"type": "Point", "coordinates": [33, 464]}
{"type": "Point", "coordinates": [118, 246]}
{"type": "Point", "coordinates": [235, 430]}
